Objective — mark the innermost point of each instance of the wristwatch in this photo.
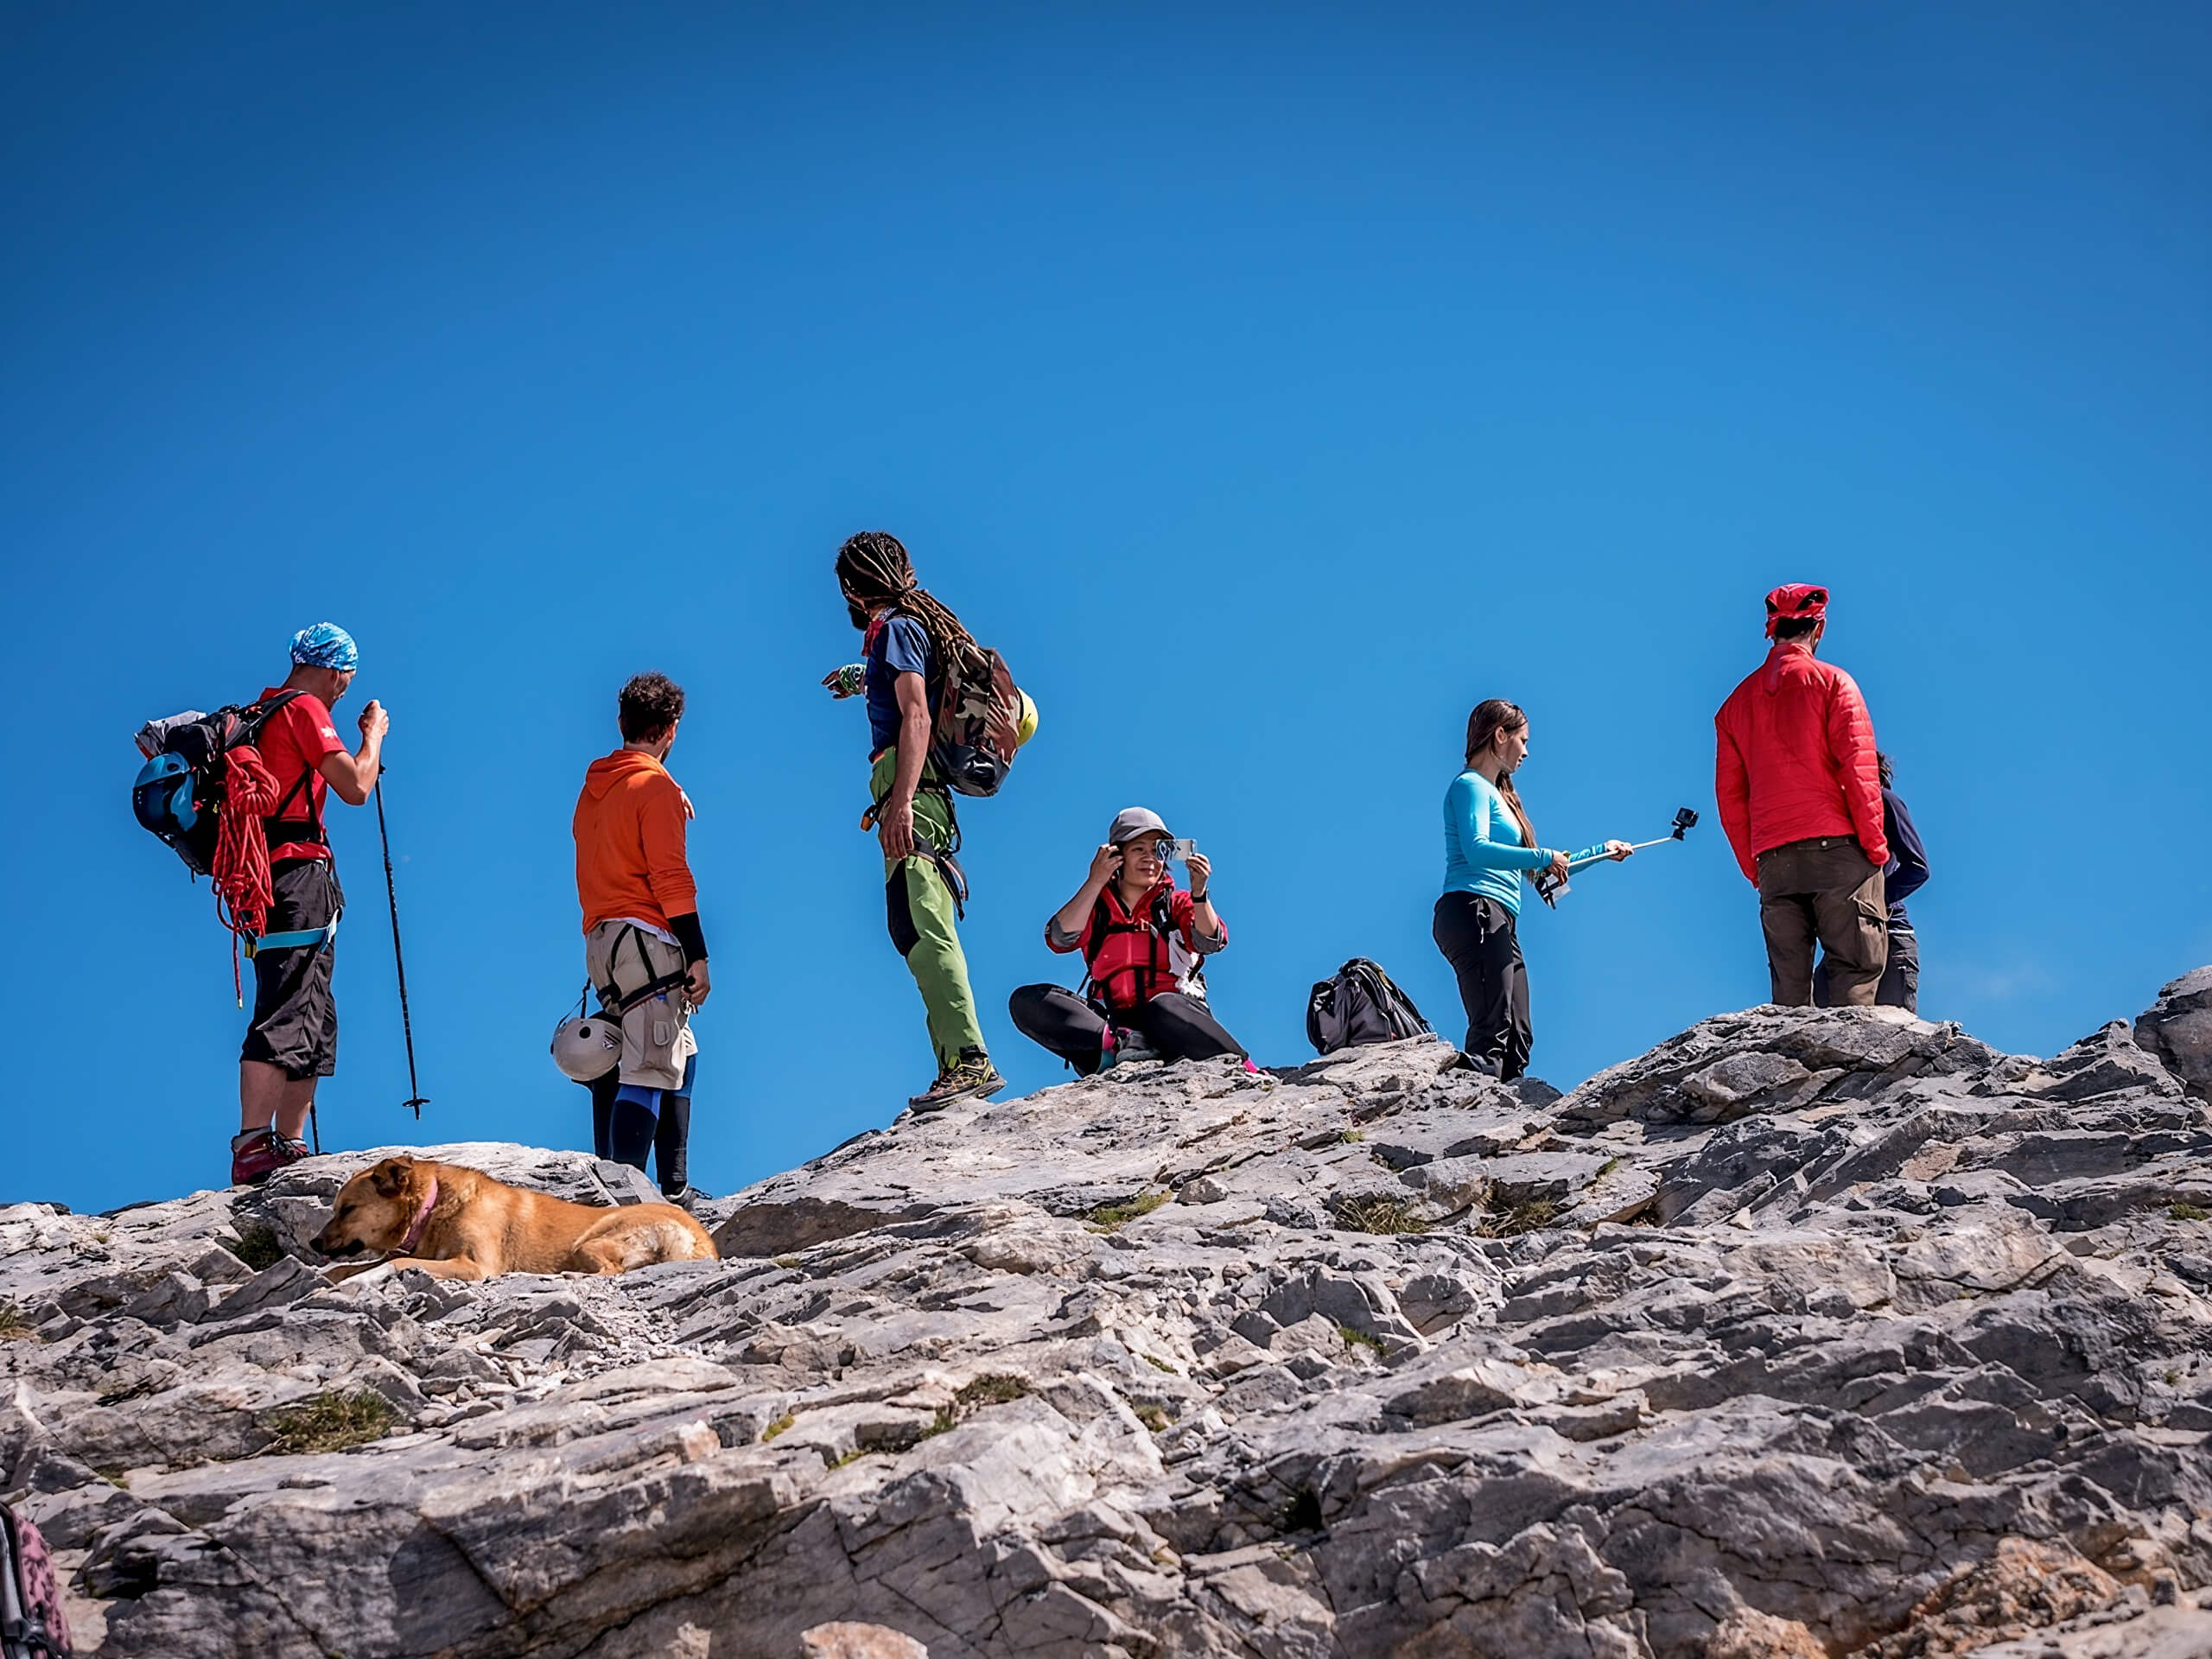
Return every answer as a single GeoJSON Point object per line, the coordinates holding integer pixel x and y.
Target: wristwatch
{"type": "Point", "coordinates": [1205, 898]}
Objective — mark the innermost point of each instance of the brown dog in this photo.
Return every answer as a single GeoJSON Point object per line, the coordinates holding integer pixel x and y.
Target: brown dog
{"type": "Point", "coordinates": [454, 1222]}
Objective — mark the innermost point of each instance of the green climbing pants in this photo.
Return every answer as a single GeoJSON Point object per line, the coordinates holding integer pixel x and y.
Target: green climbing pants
{"type": "Point", "coordinates": [918, 908]}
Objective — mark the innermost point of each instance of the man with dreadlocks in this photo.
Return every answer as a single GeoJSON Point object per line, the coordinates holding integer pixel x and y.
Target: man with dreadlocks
{"type": "Point", "coordinates": [908, 636]}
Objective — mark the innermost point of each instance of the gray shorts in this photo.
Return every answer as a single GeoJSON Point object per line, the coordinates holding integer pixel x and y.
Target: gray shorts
{"type": "Point", "coordinates": [656, 1036]}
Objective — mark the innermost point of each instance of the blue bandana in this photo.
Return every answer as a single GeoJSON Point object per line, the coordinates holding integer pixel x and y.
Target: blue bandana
{"type": "Point", "coordinates": [326, 645]}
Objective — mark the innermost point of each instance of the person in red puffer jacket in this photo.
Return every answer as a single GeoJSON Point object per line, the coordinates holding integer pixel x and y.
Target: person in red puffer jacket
{"type": "Point", "coordinates": [1800, 794]}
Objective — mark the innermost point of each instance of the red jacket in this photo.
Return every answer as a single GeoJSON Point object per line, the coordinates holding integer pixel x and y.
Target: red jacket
{"type": "Point", "coordinates": [1794, 759]}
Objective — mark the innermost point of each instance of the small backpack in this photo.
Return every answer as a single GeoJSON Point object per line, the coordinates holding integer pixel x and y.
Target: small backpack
{"type": "Point", "coordinates": [31, 1622]}
{"type": "Point", "coordinates": [975, 718]}
{"type": "Point", "coordinates": [1361, 1005]}
{"type": "Point", "coordinates": [180, 789]}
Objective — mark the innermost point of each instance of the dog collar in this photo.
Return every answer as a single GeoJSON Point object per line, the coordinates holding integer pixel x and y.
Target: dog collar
{"type": "Point", "coordinates": [415, 1228]}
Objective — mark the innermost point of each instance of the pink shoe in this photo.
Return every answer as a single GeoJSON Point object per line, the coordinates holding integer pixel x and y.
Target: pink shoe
{"type": "Point", "coordinates": [258, 1154]}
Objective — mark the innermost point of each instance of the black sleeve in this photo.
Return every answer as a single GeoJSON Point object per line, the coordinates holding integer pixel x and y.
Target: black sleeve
{"type": "Point", "coordinates": [690, 936]}
{"type": "Point", "coordinates": [1907, 848]}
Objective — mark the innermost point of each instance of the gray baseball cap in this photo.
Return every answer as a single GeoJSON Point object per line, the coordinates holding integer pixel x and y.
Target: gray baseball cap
{"type": "Point", "coordinates": [1132, 822]}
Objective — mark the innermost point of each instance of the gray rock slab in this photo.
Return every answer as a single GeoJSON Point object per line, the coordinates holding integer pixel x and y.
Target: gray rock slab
{"type": "Point", "coordinates": [1776, 1329]}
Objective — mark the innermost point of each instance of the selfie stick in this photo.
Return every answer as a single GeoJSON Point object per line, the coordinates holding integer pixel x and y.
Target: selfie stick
{"type": "Point", "coordinates": [1684, 819]}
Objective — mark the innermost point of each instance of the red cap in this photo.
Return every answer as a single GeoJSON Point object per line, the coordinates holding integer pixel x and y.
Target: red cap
{"type": "Point", "coordinates": [1796, 599]}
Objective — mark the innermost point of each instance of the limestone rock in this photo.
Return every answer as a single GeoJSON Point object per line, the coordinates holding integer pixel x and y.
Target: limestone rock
{"type": "Point", "coordinates": [2177, 1029]}
{"type": "Point", "coordinates": [1810, 1332]}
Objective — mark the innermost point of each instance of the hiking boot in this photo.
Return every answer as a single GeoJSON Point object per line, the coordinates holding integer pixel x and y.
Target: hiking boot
{"type": "Point", "coordinates": [686, 1197]}
{"type": "Point", "coordinates": [971, 1078]}
{"type": "Point", "coordinates": [258, 1154]}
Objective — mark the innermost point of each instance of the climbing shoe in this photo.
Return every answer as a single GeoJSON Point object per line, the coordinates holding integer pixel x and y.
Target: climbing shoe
{"type": "Point", "coordinates": [258, 1154]}
{"type": "Point", "coordinates": [971, 1078]}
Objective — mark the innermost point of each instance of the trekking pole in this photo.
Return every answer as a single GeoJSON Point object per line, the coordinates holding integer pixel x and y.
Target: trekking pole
{"type": "Point", "coordinates": [414, 1101]}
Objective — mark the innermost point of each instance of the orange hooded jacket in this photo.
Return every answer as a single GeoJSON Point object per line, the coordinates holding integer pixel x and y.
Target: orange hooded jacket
{"type": "Point", "coordinates": [629, 830]}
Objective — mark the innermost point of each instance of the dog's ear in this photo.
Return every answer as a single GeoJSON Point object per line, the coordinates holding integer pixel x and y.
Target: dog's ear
{"type": "Point", "coordinates": [389, 1179]}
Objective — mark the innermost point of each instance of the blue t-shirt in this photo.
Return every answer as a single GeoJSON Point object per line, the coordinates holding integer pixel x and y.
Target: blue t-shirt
{"type": "Point", "coordinates": [901, 645]}
{"type": "Point", "coordinates": [1483, 854]}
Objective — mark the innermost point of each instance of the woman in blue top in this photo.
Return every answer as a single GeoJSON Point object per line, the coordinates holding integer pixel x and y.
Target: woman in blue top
{"type": "Point", "coordinates": [1488, 845]}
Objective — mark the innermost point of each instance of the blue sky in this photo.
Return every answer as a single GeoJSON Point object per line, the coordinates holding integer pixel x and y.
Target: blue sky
{"type": "Point", "coordinates": [1267, 384]}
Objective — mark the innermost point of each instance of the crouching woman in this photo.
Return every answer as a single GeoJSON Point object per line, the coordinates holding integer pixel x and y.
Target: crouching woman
{"type": "Point", "coordinates": [1142, 939]}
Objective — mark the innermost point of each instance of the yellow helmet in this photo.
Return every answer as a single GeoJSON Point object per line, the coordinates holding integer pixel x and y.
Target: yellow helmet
{"type": "Point", "coordinates": [1026, 728]}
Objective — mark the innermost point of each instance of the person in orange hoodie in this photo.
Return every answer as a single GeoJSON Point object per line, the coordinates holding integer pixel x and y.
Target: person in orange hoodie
{"type": "Point", "coordinates": [644, 949]}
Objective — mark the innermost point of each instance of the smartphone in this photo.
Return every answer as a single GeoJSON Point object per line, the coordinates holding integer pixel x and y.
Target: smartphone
{"type": "Point", "coordinates": [1182, 849]}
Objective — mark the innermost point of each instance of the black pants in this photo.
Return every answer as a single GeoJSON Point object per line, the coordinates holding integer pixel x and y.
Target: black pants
{"type": "Point", "coordinates": [1179, 1026]}
{"type": "Point", "coordinates": [294, 1011]}
{"type": "Point", "coordinates": [1900, 986]}
{"type": "Point", "coordinates": [671, 1130]}
{"type": "Point", "coordinates": [1479, 939]}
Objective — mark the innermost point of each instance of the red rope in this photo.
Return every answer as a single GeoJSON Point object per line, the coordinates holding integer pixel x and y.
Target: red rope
{"type": "Point", "coordinates": [241, 873]}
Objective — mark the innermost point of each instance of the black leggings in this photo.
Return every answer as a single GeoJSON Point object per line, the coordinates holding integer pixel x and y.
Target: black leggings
{"type": "Point", "coordinates": [1181, 1028]}
{"type": "Point", "coordinates": [1479, 939]}
{"type": "Point", "coordinates": [671, 1130]}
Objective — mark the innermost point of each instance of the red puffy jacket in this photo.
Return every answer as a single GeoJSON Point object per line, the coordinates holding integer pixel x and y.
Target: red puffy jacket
{"type": "Point", "coordinates": [1794, 759]}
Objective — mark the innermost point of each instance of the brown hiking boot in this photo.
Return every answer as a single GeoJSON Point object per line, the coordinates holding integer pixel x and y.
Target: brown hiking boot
{"type": "Point", "coordinates": [972, 1077]}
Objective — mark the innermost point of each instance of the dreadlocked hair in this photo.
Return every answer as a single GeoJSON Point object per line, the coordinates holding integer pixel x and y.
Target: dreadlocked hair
{"type": "Point", "coordinates": [1492, 717]}
{"type": "Point", "coordinates": [875, 567]}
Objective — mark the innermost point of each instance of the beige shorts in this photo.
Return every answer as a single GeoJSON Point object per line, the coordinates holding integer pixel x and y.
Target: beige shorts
{"type": "Point", "coordinates": [656, 1036]}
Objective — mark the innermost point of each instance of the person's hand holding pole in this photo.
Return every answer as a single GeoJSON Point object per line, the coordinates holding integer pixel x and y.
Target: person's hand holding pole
{"type": "Point", "coordinates": [1558, 867]}
{"type": "Point", "coordinates": [1617, 850]}
{"type": "Point", "coordinates": [374, 722]}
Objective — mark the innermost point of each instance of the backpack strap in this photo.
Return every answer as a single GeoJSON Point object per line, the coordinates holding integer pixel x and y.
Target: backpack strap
{"type": "Point", "coordinates": [279, 829]}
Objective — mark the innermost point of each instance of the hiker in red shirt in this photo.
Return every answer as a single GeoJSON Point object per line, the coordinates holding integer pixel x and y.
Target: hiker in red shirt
{"type": "Point", "coordinates": [292, 1042]}
{"type": "Point", "coordinates": [1796, 780]}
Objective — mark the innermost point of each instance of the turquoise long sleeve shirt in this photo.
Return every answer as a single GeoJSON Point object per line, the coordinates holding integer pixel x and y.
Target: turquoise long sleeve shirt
{"type": "Point", "coordinates": [1483, 854]}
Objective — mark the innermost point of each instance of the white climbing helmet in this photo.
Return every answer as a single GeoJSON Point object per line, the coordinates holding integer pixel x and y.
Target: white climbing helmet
{"type": "Point", "coordinates": [587, 1046]}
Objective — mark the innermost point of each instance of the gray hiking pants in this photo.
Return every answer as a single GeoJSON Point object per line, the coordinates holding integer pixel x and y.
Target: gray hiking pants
{"type": "Point", "coordinates": [1823, 892]}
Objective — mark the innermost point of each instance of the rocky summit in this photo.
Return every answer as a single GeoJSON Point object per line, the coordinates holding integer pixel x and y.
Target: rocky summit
{"type": "Point", "coordinates": [1806, 1333]}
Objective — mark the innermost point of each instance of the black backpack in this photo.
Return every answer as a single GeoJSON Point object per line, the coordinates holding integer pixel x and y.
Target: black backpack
{"type": "Point", "coordinates": [31, 1625]}
{"type": "Point", "coordinates": [1360, 1005]}
{"type": "Point", "coordinates": [180, 789]}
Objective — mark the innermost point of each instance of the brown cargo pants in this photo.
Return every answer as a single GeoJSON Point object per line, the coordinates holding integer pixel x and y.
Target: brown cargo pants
{"type": "Point", "coordinates": [1824, 891]}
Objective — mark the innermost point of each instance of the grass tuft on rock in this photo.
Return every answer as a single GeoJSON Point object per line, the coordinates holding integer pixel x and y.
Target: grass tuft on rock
{"type": "Point", "coordinates": [1108, 1217]}
{"type": "Point", "coordinates": [993, 1388]}
{"type": "Point", "coordinates": [258, 1247]}
{"type": "Point", "coordinates": [1509, 1220]}
{"type": "Point", "coordinates": [2181, 1210]}
{"type": "Point", "coordinates": [1352, 1338]}
{"type": "Point", "coordinates": [1379, 1213]}
{"type": "Point", "coordinates": [331, 1422]}
{"type": "Point", "coordinates": [776, 1427]}
{"type": "Point", "coordinates": [14, 1326]}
